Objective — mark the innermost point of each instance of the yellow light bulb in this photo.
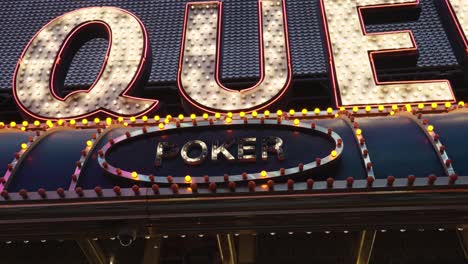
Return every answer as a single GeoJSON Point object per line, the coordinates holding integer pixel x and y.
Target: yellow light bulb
{"type": "Point", "coordinates": [23, 129]}
{"type": "Point", "coordinates": [434, 105]}
{"type": "Point", "coordinates": [96, 120]}
{"type": "Point", "coordinates": [125, 124]}
{"type": "Point", "coordinates": [448, 105]}
{"type": "Point", "coordinates": [334, 153]}
{"type": "Point", "coordinates": [254, 114]}
{"type": "Point", "coordinates": [292, 112]}
{"type": "Point", "coordinates": [109, 121]}
{"type": "Point", "coordinates": [25, 123]}
{"type": "Point", "coordinates": [134, 174]}
{"type": "Point", "coordinates": [181, 117]}
{"type": "Point", "coordinates": [317, 111]}
{"type": "Point", "coordinates": [169, 117]}
{"type": "Point", "coordinates": [188, 178]}
{"type": "Point", "coordinates": [296, 122]}
{"type": "Point", "coordinates": [120, 119]}
{"type": "Point", "coordinates": [266, 113]}
{"type": "Point", "coordinates": [381, 108]}
{"type": "Point", "coordinates": [13, 124]}
{"type": "Point", "coordinates": [217, 115]}
{"type": "Point", "coordinates": [342, 108]}
{"type": "Point", "coordinates": [408, 108]}
{"type": "Point", "coordinates": [166, 121]}
{"type": "Point", "coordinates": [368, 108]}
{"type": "Point", "coordinates": [355, 109]}
{"type": "Point", "coordinates": [242, 114]}
{"type": "Point", "coordinates": [279, 113]}
{"type": "Point", "coordinates": [329, 110]}
{"type": "Point", "coordinates": [193, 116]}
{"type": "Point", "coordinates": [229, 114]}
{"type": "Point", "coordinates": [358, 131]}
{"type": "Point", "coordinates": [37, 123]}
{"type": "Point", "coordinates": [263, 173]}
{"type": "Point", "coordinates": [461, 103]}
{"type": "Point", "coordinates": [60, 122]}
{"type": "Point", "coordinates": [24, 146]}
{"type": "Point", "coordinates": [228, 120]}
{"type": "Point", "coordinates": [84, 121]}
{"type": "Point", "coordinates": [89, 143]}
{"type": "Point", "coordinates": [144, 118]}
{"type": "Point", "coordinates": [430, 128]}
{"type": "Point", "coordinates": [72, 122]}
{"type": "Point", "coordinates": [156, 118]}
{"type": "Point", "coordinates": [132, 119]}
{"type": "Point", "coordinates": [205, 116]}
{"type": "Point", "coordinates": [161, 125]}
{"type": "Point", "coordinates": [304, 111]}
{"type": "Point", "coordinates": [420, 106]}
{"type": "Point", "coordinates": [392, 113]}
{"type": "Point", "coordinates": [394, 107]}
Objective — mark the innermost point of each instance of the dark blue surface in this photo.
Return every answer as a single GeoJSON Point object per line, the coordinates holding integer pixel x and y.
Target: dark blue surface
{"type": "Point", "coordinates": [93, 175]}
{"type": "Point", "coordinates": [453, 132]}
{"type": "Point", "coordinates": [10, 143]}
{"type": "Point", "coordinates": [51, 162]}
{"type": "Point", "coordinates": [398, 147]}
{"type": "Point", "coordinates": [164, 21]}
{"type": "Point", "coordinates": [351, 163]}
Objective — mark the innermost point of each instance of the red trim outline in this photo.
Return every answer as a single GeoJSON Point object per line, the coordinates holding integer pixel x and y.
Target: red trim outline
{"type": "Point", "coordinates": [64, 47]}
{"type": "Point", "coordinates": [462, 36]}
{"type": "Point", "coordinates": [69, 38]}
{"type": "Point", "coordinates": [218, 52]}
{"type": "Point", "coordinates": [372, 53]}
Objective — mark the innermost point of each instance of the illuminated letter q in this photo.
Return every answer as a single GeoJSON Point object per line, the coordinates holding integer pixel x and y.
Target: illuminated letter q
{"type": "Point", "coordinates": [39, 68]}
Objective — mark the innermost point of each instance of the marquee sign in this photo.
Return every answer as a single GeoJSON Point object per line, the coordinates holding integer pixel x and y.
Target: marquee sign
{"type": "Point", "coordinates": [352, 50]}
{"type": "Point", "coordinates": [244, 149]}
{"type": "Point", "coordinates": [236, 139]}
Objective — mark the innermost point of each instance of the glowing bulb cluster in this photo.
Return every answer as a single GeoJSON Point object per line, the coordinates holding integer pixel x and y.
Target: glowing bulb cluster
{"type": "Point", "coordinates": [199, 59]}
{"type": "Point", "coordinates": [123, 64]}
{"type": "Point", "coordinates": [350, 47]}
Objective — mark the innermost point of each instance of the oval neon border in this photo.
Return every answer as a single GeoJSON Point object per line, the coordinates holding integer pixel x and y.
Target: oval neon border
{"type": "Point", "coordinates": [220, 178]}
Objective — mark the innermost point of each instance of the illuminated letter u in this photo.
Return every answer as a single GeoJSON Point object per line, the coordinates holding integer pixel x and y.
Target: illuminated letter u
{"type": "Point", "coordinates": [198, 77]}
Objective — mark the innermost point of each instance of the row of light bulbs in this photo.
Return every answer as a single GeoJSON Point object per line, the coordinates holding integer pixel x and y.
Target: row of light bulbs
{"type": "Point", "coordinates": [181, 117]}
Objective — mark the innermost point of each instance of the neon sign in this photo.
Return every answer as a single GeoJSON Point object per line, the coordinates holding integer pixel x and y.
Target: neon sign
{"type": "Point", "coordinates": [38, 75]}
{"type": "Point", "coordinates": [246, 149]}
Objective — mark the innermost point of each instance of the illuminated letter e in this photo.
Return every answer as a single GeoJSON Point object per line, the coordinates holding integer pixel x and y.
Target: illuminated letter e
{"type": "Point", "coordinates": [352, 51]}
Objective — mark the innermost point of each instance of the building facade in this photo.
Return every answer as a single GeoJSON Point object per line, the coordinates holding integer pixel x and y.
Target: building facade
{"type": "Point", "coordinates": [233, 131]}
